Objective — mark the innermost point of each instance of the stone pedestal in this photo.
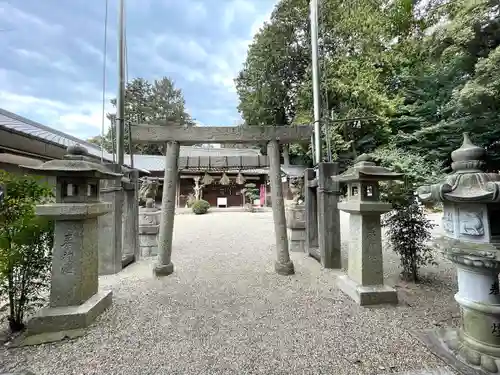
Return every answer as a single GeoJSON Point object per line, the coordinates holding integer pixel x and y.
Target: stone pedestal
{"type": "Point", "coordinates": [75, 299]}
{"type": "Point", "coordinates": [149, 227]}
{"type": "Point", "coordinates": [475, 346]}
{"type": "Point", "coordinates": [296, 227]}
{"type": "Point", "coordinates": [110, 227]}
{"type": "Point", "coordinates": [364, 281]}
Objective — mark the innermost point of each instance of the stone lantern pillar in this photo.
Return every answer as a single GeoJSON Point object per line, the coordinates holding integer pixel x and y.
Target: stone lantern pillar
{"type": "Point", "coordinates": [471, 224]}
{"type": "Point", "coordinates": [75, 299]}
{"type": "Point", "coordinates": [364, 281]}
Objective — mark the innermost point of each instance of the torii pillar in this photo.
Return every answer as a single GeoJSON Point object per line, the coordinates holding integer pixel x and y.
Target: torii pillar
{"type": "Point", "coordinates": [174, 136]}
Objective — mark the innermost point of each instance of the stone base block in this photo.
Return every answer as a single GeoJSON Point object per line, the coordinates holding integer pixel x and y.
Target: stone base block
{"type": "Point", "coordinates": [57, 323]}
{"type": "Point", "coordinates": [284, 269]}
{"type": "Point", "coordinates": [148, 243]}
{"type": "Point", "coordinates": [164, 269]}
{"type": "Point", "coordinates": [297, 246]}
{"type": "Point", "coordinates": [297, 239]}
{"type": "Point", "coordinates": [149, 251]}
{"type": "Point", "coordinates": [446, 344]}
{"type": "Point", "coordinates": [127, 260]}
{"type": "Point", "coordinates": [367, 295]}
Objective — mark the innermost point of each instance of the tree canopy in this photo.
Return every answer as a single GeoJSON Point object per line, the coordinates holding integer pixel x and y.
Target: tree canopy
{"type": "Point", "coordinates": [419, 73]}
{"type": "Point", "coordinates": [159, 103]}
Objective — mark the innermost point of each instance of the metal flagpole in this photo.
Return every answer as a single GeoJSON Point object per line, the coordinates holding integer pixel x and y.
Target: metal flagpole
{"type": "Point", "coordinates": [120, 105]}
{"type": "Point", "coordinates": [315, 78]}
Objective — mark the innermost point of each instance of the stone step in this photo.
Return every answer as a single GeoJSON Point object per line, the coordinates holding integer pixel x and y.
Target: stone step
{"type": "Point", "coordinates": [436, 371]}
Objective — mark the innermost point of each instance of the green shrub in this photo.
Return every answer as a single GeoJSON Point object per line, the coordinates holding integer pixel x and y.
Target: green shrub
{"type": "Point", "coordinates": [409, 233]}
{"type": "Point", "coordinates": [25, 246]}
{"type": "Point", "coordinates": [200, 207]}
{"type": "Point", "coordinates": [408, 228]}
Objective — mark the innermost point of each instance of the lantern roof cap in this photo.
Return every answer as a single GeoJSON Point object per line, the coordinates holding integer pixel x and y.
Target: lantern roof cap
{"type": "Point", "coordinates": [366, 169]}
{"type": "Point", "coordinates": [468, 183]}
{"type": "Point", "coordinates": [76, 163]}
{"type": "Point", "coordinates": [469, 157]}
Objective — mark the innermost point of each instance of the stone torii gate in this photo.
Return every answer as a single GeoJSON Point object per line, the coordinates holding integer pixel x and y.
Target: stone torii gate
{"type": "Point", "coordinates": [173, 136]}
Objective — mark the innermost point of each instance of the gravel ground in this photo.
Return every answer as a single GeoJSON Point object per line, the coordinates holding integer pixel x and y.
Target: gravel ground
{"type": "Point", "coordinates": [225, 311]}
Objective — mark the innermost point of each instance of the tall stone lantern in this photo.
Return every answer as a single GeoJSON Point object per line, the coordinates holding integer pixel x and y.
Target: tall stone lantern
{"type": "Point", "coordinates": [364, 281]}
{"type": "Point", "coordinates": [471, 225]}
{"type": "Point", "coordinates": [75, 300]}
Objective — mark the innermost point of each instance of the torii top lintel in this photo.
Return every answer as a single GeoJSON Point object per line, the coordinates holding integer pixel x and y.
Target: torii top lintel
{"type": "Point", "coordinates": [220, 134]}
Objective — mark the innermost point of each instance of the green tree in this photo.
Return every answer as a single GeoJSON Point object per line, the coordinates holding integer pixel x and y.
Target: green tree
{"type": "Point", "coordinates": [157, 103]}
{"type": "Point", "coordinates": [456, 88]}
{"type": "Point", "coordinates": [25, 246]}
{"type": "Point", "coordinates": [358, 58]}
{"type": "Point", "coordinates": [276, 63]}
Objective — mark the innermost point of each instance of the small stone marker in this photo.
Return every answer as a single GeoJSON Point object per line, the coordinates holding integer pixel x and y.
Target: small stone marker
{"type": "Point", "coordinates": [296, 227]}
{"type": "Point", "coordinates": [364, 281]}
{"type": "Point", "coordinates": [149, 227]}
{"type": "Point", "coordinates": [471, 223]}
{"type": "Point", "coordinates": [75, 299]}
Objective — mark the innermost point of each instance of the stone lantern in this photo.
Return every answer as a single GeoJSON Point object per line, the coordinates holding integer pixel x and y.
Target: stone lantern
{"type": "Point", "coordinates": [364, 281]}
{"type": "Point", "coordinates": [471, 225]}
{"type": "Point", "coordinates": [75, 300]}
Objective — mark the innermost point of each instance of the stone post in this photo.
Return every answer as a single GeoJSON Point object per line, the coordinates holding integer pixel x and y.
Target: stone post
{"type": "Point", "coordinates": [110, 226]}
{"type": "Point", "coordinates": [165, 266]}
{"type": "Point", "coordinates": [283, 265]}
{"type": "Point", "coordinates": [129, 221]}
{"type": "Point", "coordinates": [364, 281]}
{"type": "Point", "coordinates": [311, 214]}
{"type": "Point", "coordinates": [134, 178]}
{"type": "Point", "coordinates": [75, 299]}
{"type": "Point", "coordinates": [328, 216]}
{"type": "Point", "coordinates": [471, 217]}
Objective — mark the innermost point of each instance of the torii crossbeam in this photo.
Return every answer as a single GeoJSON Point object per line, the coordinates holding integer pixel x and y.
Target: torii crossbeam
{"type": "Point", "coordinates": [174, 135]}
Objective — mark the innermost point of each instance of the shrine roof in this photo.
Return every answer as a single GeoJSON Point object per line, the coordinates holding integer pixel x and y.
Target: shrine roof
{"type": "Point", "coordinates": [19, 124]}
{"type": "Point", "coordinates": [196, 157]}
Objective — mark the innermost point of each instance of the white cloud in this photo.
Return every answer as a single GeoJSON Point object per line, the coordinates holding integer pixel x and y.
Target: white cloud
{"type": "Point", "coordinates": [79, 119]}
{"type": "Point", "coordinates": [197, 12]}
{"type": "Point", "coordinates": [96, 52]}
{"type": "Point", "coordinates": [74, 104]}
{"type": "Point", "coordinates": [23, 20]}
{"type": "Point", "coordinates": [237, 7]}
{"type": "Point", "coordinates": [56, 60]}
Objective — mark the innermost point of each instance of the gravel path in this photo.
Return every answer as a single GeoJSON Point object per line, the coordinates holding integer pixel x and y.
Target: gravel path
{"type": "Point", "coordinates": [225, 311]}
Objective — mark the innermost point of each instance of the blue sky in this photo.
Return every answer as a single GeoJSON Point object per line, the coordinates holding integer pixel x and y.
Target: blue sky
{"type": "Point", "coordinates": [52, 55]}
